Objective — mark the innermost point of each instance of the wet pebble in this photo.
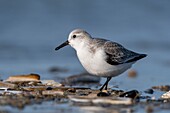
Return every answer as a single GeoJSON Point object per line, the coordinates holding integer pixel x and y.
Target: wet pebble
{"type": "Point", "coordinates": [53, 93]}
{"type": "Point", "coordinates": [49, 88]}
{"type": "Point", "coordinates": [149, 91]}
{"type": "Point", "coordinates": [116, 92]}
{"type": "Point", "coordinates": [51, 83]}
{"type": "Point", "coordinates": [134, 94]}
{"type": "Point", "coordinates": [103, 94]}
{"type": "Point", "coordinates": [166, 95]}
{"type": "Point", "coordinates": [132, 73]}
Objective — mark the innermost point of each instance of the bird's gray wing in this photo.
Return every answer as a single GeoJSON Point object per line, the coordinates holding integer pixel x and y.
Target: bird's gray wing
{"type": "Point", "coordinates": [117, 54]}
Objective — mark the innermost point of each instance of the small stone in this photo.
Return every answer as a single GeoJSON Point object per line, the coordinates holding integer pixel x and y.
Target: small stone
{"type": "Point", "coordinates": [49, 88]}
{"type": "Point", "coordinates": [130, 94]}
{"type": "Point", "coordinates": [103, 93]}
{"type": "Point", "coordinates": [132, 73]}
{"type": "Point", "coordinates": [30, 77]}
{"type": "Point", "coordinates": [116, 92]}
{"type": "Point", "coordinates": [54, 93]}
{"type": "Point", "coordinates": [51, 83]}
{"type": "Point", "coordinates": [166, 95]}
{"type": "Point", "coordinates": [149, 91]}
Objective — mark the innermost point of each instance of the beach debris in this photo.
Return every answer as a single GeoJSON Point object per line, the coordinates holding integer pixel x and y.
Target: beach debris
{"type": "Point", "coordinates": [53, 92]}
{"type": "Point", "coordinates": [84, 78]}
{"type": "Point", "coordinates": [162, 87]}
{"type": "Point", "coordinates": [29, 77]}
{"type": "Point", "coordinates": [166, 95]}
{"type": "Point", "coordinates": [149, 91]}
{"type": "Point", "coordinates": [51, 83]}
{"type": "Point", "coordinates": [7, 85]}
{"type": "Point", "coordinates": [134, 94]}
{"type": "Point", "coordinates": [101, 100]}
{"type": "Point", "coordinates": [132, 73]}
{"type": "Point", "coordinates": [116, 92]}
{"type": "Point", "coordinates": [103, 93]}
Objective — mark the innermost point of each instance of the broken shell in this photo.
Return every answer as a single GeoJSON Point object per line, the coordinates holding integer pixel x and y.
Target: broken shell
{"type": "Point", "coordinates": [166, 95]}
{"type": "Point", "coordinates": [54, 93]}
{"type": "Point", "coordinates": [7, 85]}
{"type": "Point", "coordinates": [51, 83]}
{"type": "Point", "coordinates": [30, 77]}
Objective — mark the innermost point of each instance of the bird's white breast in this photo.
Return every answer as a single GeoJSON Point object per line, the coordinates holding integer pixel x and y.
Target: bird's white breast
{"type": "Point", "coordinates": [94, 62]}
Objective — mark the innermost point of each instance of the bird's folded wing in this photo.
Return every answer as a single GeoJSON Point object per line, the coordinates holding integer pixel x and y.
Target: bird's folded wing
{"type": "Point", "coordinates": [117, 54]}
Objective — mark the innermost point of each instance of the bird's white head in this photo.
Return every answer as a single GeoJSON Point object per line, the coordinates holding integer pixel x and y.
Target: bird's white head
{"type": "Point", "coordinates": [76, 39]}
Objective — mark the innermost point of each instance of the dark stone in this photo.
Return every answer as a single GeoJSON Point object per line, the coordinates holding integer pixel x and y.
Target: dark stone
{"type": "Point", "coordinates": [49, 88]}
{"type": "Point", "coordinates": [103, 94]}
{"type": "Point", "coordinates": [149, 91]}
{"type": "Point", "coordinates": [130, 94]}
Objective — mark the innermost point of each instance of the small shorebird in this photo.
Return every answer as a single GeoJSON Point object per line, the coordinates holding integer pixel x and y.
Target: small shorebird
{"type": "Point", "coordinates": [101, 57]}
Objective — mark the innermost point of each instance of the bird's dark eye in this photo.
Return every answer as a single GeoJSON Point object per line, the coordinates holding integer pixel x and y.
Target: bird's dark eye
{"type": "Point", "coordinates": [74, 36]}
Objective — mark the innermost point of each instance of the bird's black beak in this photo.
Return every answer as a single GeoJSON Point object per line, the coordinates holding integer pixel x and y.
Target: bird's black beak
{"type": "Point", "coordinates": [62, 45]}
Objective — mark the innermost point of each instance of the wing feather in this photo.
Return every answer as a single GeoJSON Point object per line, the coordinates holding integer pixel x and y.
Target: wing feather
{"type": "Point", "coordinates": [117, 54]}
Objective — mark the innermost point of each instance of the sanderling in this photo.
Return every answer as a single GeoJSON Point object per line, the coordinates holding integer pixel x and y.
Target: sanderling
{"type": "Point", "coordinates": [101, 57]}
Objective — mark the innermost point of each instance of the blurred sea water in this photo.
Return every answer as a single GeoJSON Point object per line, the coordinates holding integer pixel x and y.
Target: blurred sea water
{"type": "Point", "coordinates": [30, 30]}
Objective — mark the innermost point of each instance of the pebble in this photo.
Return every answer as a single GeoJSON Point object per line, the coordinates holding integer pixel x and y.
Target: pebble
{"type": "Point", "coordinates": [130, 94]}
{"type": "Point", "coordinates": [166, 95]}
{"type": "Point", "coordinates": [53, 93]}
{"type": "Point", "coordinates": [149, 91]}
{"type": "Point", "coordinates": [29, 77]}
{"type": "Point", "coordinates": [51, 83]}
{"type": "Point", "coordinates": [103, 93]}
{"type": "Point", "coordinates": [132, 73]}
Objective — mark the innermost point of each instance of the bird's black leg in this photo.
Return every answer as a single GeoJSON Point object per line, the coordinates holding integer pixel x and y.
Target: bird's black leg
{"type": "Point", "coordinates": [105, 84]}
{"type": "Point", "coordinates": [108, 79]}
